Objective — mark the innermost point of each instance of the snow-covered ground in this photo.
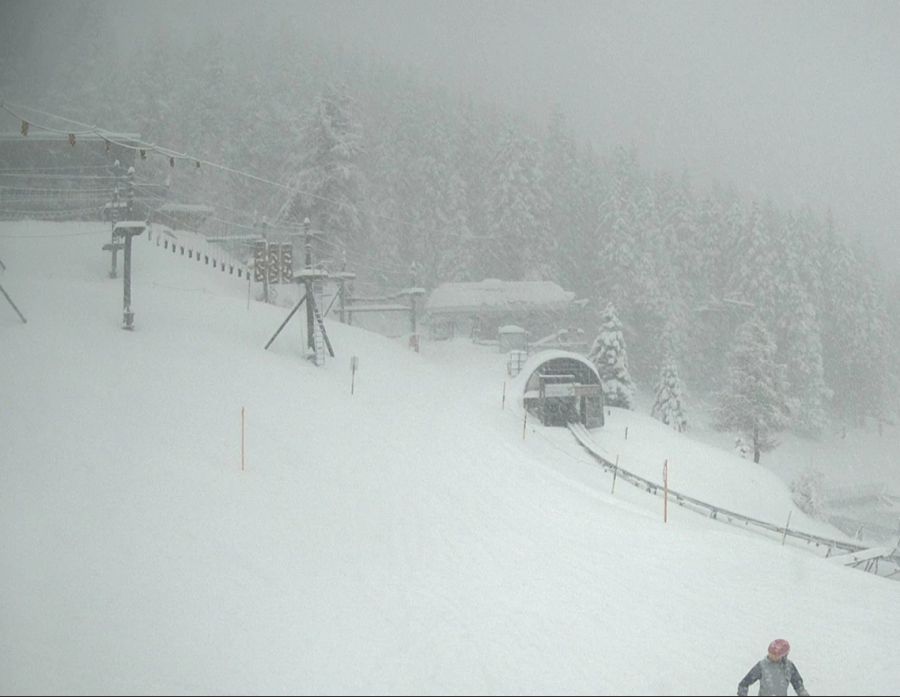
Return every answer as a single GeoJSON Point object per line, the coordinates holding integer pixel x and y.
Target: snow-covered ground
{"type": "Point", "coordinates": [402, 539]}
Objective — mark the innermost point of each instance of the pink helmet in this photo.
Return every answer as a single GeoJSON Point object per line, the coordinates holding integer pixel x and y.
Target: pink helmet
{"type": "Point", "coordinates": [779, 648]}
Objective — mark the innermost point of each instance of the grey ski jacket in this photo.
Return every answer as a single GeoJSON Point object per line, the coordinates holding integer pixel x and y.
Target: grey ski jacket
{"type": "Point", "coordinates": [773, 678]}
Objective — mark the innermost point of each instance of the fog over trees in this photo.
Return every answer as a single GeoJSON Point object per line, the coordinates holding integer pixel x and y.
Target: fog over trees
{"type": "Point", "coordinates": [402, 167]}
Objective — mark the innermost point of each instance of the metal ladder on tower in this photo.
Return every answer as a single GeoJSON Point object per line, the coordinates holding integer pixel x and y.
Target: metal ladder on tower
{"type": "Point", "coordinates": [318, 340]}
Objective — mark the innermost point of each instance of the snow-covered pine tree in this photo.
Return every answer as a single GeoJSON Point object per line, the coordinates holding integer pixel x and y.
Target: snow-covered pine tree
{"type": "Point", "coordinates": [679, 232]}
{"type": "Point", "coordinates": [711, 328]}
{"type": "Point", "coordinates": [566, 177]}
{"type": "Point", "coordinates": [808, 492]}
{"type": "Point", "coordinates": [753, 401]}
{"type": "Point", "coordinates": [326, 178]}
{"type": "Point", "coordinates": [796, 324]}
{"type": "Point", "coordinates": [856, 354]}
{"type": "Point", "coordinates": [669, 404]}
{"type": "Point", "coordinates": [516, 209]}
{"type": "Point", "coordinates": [754, 275]}
{"type": "Point", "coordinates": [655, 293]}
{"type": "Point", "coordinates": [442, 241]}
{"type": "Point", "coordinates": [618, 250]}
{"type": "Point", "coordinates": [609, 356]}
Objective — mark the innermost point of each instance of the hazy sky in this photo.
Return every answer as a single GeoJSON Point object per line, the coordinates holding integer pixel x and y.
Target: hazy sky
{"type": "Point", "coordinates": [799, 101]}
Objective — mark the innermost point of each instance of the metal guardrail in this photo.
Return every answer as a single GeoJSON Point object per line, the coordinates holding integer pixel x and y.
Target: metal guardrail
{"type": "Point", "coordinates": [716, 512]}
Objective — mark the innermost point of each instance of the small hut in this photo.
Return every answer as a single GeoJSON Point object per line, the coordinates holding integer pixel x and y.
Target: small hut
{"type": "Point", "coordinates": [512, 338]}
{"type": "Point", "coordinates": [561, 387]}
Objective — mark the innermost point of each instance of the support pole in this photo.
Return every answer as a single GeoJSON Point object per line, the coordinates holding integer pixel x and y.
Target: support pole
{"type": "Point", "coordinates": [346, 302]}
{"type": "Point", "coordinates": [342, 281]}
{"type": "Point", "coordinates": [9, 300]}
{"type": "Point", "coordinates": [615, 473]}
{"type": "Point", "coordinates": [310, 315]}
{"type": "Point", "coordinates": [331, 304]}
{"type": "Point", "coordinates": [128, 315]}
{"type": "Point", "coordinates": [342, 298]}
{"type": "Point", "coordinates": [286, 320]}
{"type": "Point", "coordinates": [129, 193]}
{"type": "Point", "coordinates": [114, 219]}
{"type": "Point", "coordinates": [114, 245]}
{"type": "Point", "coordinates": [786, 528]}
{"type": "Point", "coordinates": [413, 339]}
{"type": "Point", "coordinates": [666, 491]}
{"type": "Point", "coordinates": [127, 230]}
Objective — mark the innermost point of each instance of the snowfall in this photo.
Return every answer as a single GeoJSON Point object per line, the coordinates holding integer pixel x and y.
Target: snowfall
{"type": "Point", "coordinates": [398, 530]}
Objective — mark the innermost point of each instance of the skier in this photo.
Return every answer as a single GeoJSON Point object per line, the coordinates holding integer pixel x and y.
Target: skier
{"type": "Point", "coordinates": [774, 672]}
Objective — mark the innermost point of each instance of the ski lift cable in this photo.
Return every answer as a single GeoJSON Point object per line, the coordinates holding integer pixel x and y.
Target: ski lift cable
{"type": "Point", "coordinates": [397, 270]}
{"type": "Point", "coordinates": [66, 177]}
{"type": "Point", "coordinates": [95, 190]}
{"type": "Point", "coordinates": [143, 146]}
{"type": "Point", "coordinates": [167, 152]}
{"type": "Point", "coordinates": [28, 171]}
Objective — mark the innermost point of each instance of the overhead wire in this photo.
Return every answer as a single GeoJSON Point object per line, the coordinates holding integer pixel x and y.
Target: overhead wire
{"type": "Point", "coordinates": [168, 152]}
{"type": "Point", "coordinates": [142, 146]}
{"type": "Point", "coordinates": [96, 190]}
{"type": "Point", "coordinates": [27, 171]}
{"type": "Point", "coordinates": [297, 229]}
{"type": "Point", "coordinates": [52, 116]}
{"type": "Point", "coordinates": [87, 177]}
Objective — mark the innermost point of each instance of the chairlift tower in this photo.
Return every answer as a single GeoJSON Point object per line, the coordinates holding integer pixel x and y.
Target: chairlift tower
{"type": "Point", "coordinates": [114, 246]}
{"type": "Point", "coordinates": [308, 277]}
{"type": "Point", "coordinates": [9, 299]}
{"type": "Point", "coordinates": [127, 230]}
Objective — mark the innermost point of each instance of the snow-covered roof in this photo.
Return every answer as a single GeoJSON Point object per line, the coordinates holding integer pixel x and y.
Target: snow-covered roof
{"type": "Point", "coordinates": [131, 224]}
{"type": "Point", "coordinates": [495, 296]}
{"type": "Point", "coordinates": [536, 360]}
